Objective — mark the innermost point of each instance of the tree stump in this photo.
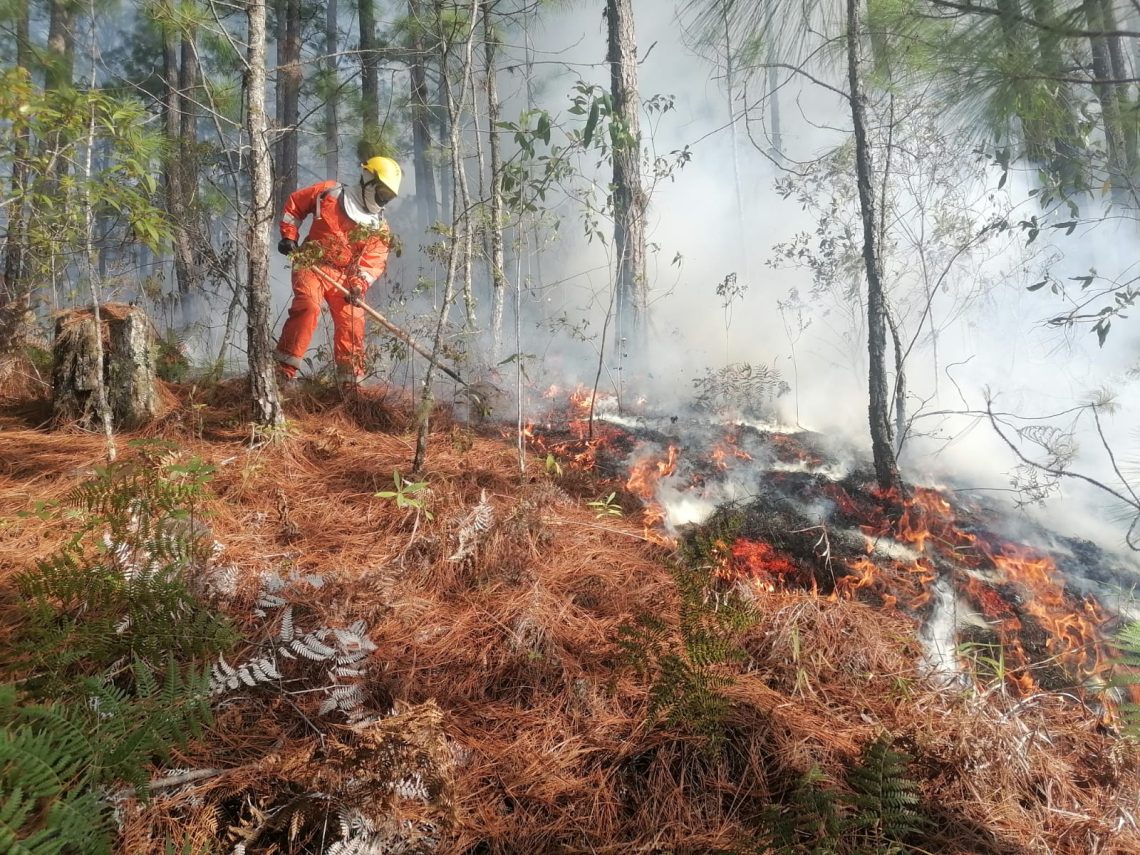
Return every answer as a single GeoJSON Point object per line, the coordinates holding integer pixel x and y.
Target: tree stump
{"type": "Point", "coordinates": [127, 372]}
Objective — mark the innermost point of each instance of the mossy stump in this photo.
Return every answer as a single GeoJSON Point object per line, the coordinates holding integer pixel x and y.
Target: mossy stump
{"type": "Point", "coordinates": [127, 371]}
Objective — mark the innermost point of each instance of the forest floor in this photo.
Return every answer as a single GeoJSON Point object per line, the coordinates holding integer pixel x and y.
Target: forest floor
{"type": "Point", "coordinates": [538, 674]}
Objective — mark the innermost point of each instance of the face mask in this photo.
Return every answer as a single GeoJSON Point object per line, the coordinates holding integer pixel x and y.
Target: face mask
{"type": "Point", "coordinates": [369, 190]}
{"type": "Point", "coordinates": [361, 204]}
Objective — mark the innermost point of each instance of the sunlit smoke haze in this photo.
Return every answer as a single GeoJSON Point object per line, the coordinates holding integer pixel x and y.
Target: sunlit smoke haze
{"type": "Point", "coordinates": [996, 342]}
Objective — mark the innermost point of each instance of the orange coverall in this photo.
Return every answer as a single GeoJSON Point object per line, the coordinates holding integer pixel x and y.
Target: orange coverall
{"type": "Point", "coordinates": [351, 254]}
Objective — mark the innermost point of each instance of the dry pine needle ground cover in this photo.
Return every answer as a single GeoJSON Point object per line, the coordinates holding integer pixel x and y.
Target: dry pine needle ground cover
{"type": "Point", "coordinates": [497, 712]}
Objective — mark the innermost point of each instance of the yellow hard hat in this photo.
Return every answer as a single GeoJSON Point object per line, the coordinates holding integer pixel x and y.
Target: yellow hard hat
{"type": "Point", "coordinates": [386, 170]}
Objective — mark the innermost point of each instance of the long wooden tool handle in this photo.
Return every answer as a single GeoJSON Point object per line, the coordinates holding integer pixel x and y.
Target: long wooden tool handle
{"type": "Point", "coordinates": [392, 328]}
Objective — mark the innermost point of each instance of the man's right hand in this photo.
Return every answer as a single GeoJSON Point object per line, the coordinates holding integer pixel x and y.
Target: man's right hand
{"type": "Point", "coordinates": [287, 246]}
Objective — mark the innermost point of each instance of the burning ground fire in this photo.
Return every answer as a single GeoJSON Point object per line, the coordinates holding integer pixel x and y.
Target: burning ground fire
{"type": "Point", "coordinates": [566, 433]}
{"type": "Point", "coordinates": [884, 550]}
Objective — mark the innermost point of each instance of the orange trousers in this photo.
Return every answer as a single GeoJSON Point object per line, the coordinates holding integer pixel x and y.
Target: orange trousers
{"type": "Point", "coordinates": [305, 312]}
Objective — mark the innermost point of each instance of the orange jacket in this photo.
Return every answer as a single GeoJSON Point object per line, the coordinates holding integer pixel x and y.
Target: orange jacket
{"type": "Point", "coordinates": [346, 245]}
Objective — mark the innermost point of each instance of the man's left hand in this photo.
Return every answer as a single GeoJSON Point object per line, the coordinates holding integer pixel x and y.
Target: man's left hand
{"type": "Point", "coordinates": [356, 288]}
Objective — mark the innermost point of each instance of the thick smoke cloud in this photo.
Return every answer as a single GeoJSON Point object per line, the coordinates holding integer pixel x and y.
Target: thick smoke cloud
{"type": "Point", "coordinates": [1000, 344]}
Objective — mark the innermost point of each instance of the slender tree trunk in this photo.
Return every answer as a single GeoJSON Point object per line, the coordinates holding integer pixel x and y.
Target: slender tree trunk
{"type": "Point", "coordinates": [280, 20]}
{"type": "Point", "coordinates": [370, 76]}
{"type": "Point", "coordinates": [495, 230]}
{"type": "Point", "coordinates": [59, 68]}
{"type": "Point", "coordinates": [262, 379]}
{"type": "Point", "coordinates": [102, 404]}
{"type": "Point", "coordinates": [463, 197]}
{"type": "Point", "coordinates": [289, 78]}
{"type": "Point", "coordinates": [900, 383]}
{"type": "Point", "coordinates": [462, 222]}
{"type": "Point", "coordinates": [332, 140]}
{"type": "Point", "coordinates": [59, 75]}
{"type": "Point", "coordinates": [777, 146]}
{"type": "Point", "coordinates": [189, 82]}
{"type": "Point", "coordinates": [15, 293]}
{"type": "Point", "coordinates": [629, 199]}
{"type": "Point", "coordinates": [1125, 106]}
{"type": "Point", "coordinates": [178, 170]}
{"type": "Point", "coordinates": [443, 129]}
{"type": "Point", "coordinates": [886, 467]}
{"type": "Point", "coordinates": [439, 108]}
{"type": "Point", "coordinates": [1066, 155]}
{"type": "Point", "coordinates": [426, 201]}
{"type": "Point", "coordinates": [1106, 93]}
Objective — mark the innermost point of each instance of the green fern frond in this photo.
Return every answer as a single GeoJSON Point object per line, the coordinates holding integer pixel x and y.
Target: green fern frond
{"type": "Point", "coordinates": [1128, 643]}
{"type": "Point", "coordinates": [808, 821]}
{"type": "Point", "coordinates": [709, 647]}
{"type": "Point", "coordinates": [1126, 674]}
{"type": "Point", "coordinates": [46, 801]}
{"type": "Point", "coordinates": [643, 642]}
{"type": "Point", "coordinates": [885, 797]}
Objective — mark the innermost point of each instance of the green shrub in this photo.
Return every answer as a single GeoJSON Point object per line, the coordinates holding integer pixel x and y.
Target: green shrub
{"type": "Point", "coordinates": [110, 655]}
{"type": "Point", "coordinates": [126, 584]}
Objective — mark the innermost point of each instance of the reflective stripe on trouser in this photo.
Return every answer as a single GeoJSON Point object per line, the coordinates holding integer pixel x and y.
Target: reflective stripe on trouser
{"type": "Point", "coordinates": [305, 312]}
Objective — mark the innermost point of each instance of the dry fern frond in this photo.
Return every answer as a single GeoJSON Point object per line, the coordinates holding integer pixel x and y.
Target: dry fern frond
{"type": "Point", "coordinates": [474, 528]}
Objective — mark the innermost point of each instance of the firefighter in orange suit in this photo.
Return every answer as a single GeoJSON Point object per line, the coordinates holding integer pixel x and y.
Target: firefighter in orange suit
{"type": "Point", "coordinates": [352, 243]}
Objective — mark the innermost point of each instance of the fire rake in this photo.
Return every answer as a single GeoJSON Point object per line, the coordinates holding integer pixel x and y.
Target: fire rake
{"type": "Point", "coordinates": [396, 331]}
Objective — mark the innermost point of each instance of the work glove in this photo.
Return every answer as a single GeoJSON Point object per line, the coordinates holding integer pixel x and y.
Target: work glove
{"type": "Point", "coordinates": [287, 246]}
{"type": "Point", "coordinates": [356, 287]}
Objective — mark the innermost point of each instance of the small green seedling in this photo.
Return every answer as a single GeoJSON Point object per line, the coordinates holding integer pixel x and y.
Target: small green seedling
{"type": "Point", "coordinates": [408, 494]}
{"type": "Point", "coordinates": [553, 467]}
{"type": "Point", "coordinates": [605, 507]}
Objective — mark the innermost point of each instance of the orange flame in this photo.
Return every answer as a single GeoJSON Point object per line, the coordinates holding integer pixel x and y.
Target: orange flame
{"type": "Point", "coordinates": [1072, 631]}
{"type": "Point", "coordinates": [758, 559]}
{"type": "Point", "coordinates": [581, 400]}
{"type": "Point", "coordinates": [644, 475]}
{"type": "Point", "coordinates": [725, 449]}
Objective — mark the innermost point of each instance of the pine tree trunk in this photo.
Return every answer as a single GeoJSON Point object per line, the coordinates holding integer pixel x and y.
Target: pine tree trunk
{"type": "Point", "coordinates": [289, 78]}
{"type": "Point", "coordinates": [427, 203]}
{"type": "Point", "coordinates": [293, 77]}
{"type": "Point", "coordinates": [446, 175]}
{"type": "Point", "coordinates": [59, 68]}
{"type": "Point", "coordinates": [776, 149]}
{"type": "Point", "coordinates": [441, 113]}
{"type": "Point", "coordinates": [1126, 108]}
{"type": "Point", "coordinates": [15, 291]}
{"type": "Point", "coordinates": [369, 79]}
{"type": "Point", "coordinates": [1066, 154]}
{"type": "Point", "coordinates": [189, 84]}
{"type": "Point", "coordinates": [629, 199]}
{"type": "Point", "coordinates": [332, 139]}
{"type": "Point", "coordinates": [177, 170]}
{"type": "Point", "coordinates": [879, 410]}
{"type": "Point", "coordinates": [495, 231]}
{"type": "Point", "coordinates": [1107, 95]}
{"type": "Point", "coordinates": [262, 378]}
{"type": "Point", "coordinates": [59, 75]}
